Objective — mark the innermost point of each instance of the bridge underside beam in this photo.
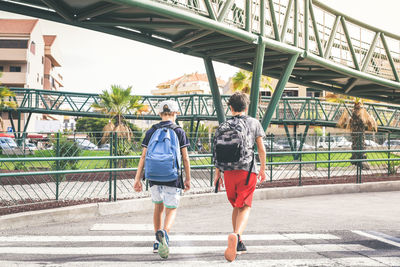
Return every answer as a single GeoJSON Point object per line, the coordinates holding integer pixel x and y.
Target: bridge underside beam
{"type": "Point", "coordinates": [255, 81]}
{"type": "Point", "coordinates": [276, 96]}
{"type": "Point", "coordinates": [214, 90]}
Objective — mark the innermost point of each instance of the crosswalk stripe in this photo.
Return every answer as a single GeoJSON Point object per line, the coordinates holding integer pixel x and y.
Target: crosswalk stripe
{"type": "Point", "coordinates": [145, 238]}
{"type": "Point", "coordinates": [376, 237]}
{"type": "Point", "coordinates": [350, 261]}
{"type": "Point", "coordinates": [121, 227]}
{"type": "Point", "coordinates": [180, 250]}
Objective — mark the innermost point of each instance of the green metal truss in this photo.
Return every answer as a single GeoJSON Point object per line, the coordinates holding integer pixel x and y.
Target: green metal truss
{"type": "Point", "coordinates": [334, 52]}
{"type": "Point", "coordinates": [290, 110]}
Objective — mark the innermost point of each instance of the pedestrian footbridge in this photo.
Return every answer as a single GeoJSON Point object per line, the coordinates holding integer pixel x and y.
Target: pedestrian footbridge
{"type": "Point", "coordinates": [301, 41]}
{"type": "Point", "coordinates": [289, 111]}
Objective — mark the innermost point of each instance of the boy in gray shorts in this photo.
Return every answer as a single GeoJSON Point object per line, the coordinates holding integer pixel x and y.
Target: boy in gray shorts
{"type": "Point", "coordinates": [165, 194]}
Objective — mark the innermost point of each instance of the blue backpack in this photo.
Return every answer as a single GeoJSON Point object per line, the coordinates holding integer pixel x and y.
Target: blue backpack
{"type": "Point", "coordinates": [163, 156]}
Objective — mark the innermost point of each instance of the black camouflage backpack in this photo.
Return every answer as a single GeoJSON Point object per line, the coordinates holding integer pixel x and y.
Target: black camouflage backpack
{"type": "Point", "coordinates": [232, 150]}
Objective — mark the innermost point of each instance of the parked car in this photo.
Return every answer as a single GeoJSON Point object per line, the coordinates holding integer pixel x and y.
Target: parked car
{"type": "Point", "coordinates": [284, 145]}
{"type": "Point", "coordinates": [30, 146]}
{"type": "Point", "coordinates": [392, 143]}
{"type": "Point", "coordinates": [333, 142]}
{"type": "Point", "coordinates": [268, 144]}
{"type": "Point", "coordinates": [105, 147]}
{"type": "Point", "coordinates": [7, 143]}
{"type": "Point", "coordinates": [85, 144]}
{"type": "Point", "coordinates": [371, 143]}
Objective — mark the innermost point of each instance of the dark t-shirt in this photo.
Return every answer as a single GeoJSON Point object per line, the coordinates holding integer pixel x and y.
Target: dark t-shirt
{"type": "Point", "coordinates": [183, 142]}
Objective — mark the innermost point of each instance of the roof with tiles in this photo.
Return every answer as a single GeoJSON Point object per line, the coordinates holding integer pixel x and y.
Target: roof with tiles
{"type": "Point", "coordinates": [17, 26]}
{"type": "Point", "coordinates": [193, 77]}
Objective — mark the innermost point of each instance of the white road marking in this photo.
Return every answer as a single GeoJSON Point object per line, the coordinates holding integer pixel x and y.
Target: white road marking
{"type": "Point", "coordinates": [310, 236]}
{"type": "Point", "coordinates": [379, 238]}
{"type": "Point", "coordinates": [121, 227]}
{"type": "Point", "coordinates": [352, 261]}
{"type": "Point", "coordinates": [146, 238]}
{"type": "Point", "coordinates": [390, 261]}
{"type": "Point", "coordinates": [179, 250]}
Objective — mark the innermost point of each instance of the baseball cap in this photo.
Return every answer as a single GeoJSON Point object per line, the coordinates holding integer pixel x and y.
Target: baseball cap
{"type": "Point", "coordinates": [168, 106]}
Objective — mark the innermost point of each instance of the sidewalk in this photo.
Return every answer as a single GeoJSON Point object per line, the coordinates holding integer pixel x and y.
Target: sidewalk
{"type": "Point", "coordinates": [264, 200]}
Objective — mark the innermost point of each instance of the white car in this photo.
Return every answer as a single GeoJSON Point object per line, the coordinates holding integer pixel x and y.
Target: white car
{"type": "Point", "coordinates": [275, 146]}
{"type": "Point", "coordinates": [371, 143]}
{"type": "Point", "coordinates": [7, 143]}
{"type": "Point", "coordinates": [30, 146]}
{"type": "Point", "coordinates": [392, 143]}
{"type": "Point", "coordinates": [105, 147]}
{"type": "Point", "coordinates": [333, 142]}
{"type": "Point", "coordinates": [85, 144]}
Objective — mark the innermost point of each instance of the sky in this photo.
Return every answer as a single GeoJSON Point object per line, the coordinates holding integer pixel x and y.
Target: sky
{"type": "Point", "coordinates": [93, 61]}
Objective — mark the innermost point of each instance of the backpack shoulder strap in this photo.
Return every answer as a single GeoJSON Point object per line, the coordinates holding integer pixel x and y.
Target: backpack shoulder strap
{"type": "Point", "coordinates": [174, 126]}
{"type": "Point", "coordinates": [156, 126]}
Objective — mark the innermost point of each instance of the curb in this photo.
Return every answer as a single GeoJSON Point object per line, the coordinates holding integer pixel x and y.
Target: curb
{"type": "Point", "coordinates": [87, 211]}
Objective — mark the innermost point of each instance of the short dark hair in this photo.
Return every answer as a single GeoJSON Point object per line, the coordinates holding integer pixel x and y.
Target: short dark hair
{"type": "Point", "coordinates": [238, 101]}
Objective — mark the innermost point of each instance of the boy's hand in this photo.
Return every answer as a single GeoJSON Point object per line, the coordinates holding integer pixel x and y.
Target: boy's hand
{"type": "Point", "coordinates": [261, 176]}
{"type": "Point", "coordinates": [218, 179]}
{"type": "Point", "coordinates": [137, 186]}
{"type": "Point", "coordinates": [187, 185]}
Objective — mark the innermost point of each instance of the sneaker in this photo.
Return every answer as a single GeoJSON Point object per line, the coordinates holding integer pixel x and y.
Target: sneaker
{"type": "Point", "coordinates": [241, 248]}
{"type": "Point", "coordinates": [230, 252]}
{"type": "Point", "coordinates": [163, 249]}
{"type": "Point", "coordinates": [155, 247]}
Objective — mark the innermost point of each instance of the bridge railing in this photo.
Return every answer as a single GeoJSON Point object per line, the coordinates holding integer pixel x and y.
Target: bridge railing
{"type": "Point", "coordinates": [317, 29]}
{"type": "Point", "coordinates": [60, 169]}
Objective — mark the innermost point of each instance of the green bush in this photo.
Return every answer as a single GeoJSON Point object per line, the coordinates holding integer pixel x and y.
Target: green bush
{"type": "Point", "coordinates": [66, 149]}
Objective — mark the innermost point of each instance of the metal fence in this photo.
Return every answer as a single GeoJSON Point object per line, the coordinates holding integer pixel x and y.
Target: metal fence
{"type": "Point", "coordinates": [48, 170]}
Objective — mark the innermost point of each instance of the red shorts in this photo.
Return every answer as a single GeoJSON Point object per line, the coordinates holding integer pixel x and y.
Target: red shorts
{"type": "Point", "coordinates": [238, 193]}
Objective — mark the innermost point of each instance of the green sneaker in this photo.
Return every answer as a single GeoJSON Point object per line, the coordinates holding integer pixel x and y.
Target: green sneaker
{"type": "Point", "coordinates": [163, 249]}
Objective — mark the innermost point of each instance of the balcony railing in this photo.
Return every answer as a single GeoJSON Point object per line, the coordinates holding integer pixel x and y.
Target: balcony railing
{"type": "Point", "coordinates": [15, 55]}
{"type": "Point", "coordinates": [13, 78]}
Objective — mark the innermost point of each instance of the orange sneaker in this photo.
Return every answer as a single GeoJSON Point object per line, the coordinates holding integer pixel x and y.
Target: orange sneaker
{"type": "Point", "coordinates": [230, 252]}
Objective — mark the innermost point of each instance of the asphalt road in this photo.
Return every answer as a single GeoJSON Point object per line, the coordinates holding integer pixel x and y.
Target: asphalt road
{"type": "Point", "coordinates": [334, 230]}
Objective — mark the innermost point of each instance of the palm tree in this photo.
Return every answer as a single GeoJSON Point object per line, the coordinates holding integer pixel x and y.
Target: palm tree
{"type": "Point", "coordinates": [116, 104]}
{"type": "Point", "coordinates": [4, 93]}
{"type": "Point", "coordinates": [242, 82]}
{"type": "Point", "coordinates": [359, 121]}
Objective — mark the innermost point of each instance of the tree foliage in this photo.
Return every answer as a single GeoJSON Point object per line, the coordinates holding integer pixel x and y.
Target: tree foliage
{"type": "Point", "coordinates": [95, 127]}
{"type": "Point", "coordinates": [117, 103]}
{"type": "Point", "coordinates": [4, 94]}
{"type": "Point", "coordinates": [242, 81]}
{"type": "Point", "coordinates": [358, 122]}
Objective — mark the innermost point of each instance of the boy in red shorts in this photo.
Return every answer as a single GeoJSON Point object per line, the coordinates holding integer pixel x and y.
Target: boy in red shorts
{"type": "Point", "coordinates": [234, 156]}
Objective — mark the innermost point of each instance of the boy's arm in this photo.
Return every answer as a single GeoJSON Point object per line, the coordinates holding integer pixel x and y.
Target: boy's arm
{"type": "Point", "coordinates": [186, 164]}
{"type": "Point", "coordinates": [261, 154]}
{"type": "Point", "coordinates": [137, 186]}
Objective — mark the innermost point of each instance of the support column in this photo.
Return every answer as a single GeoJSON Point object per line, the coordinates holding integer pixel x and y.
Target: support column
{"type": "Point", "coordinates": [255, 81]}
{"type": "Point", "coordinates": [214, 90]}
{"type": "Point", "coordinates": [276, 96]}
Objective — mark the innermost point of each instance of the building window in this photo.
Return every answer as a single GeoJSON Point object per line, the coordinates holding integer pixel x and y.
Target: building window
{"type": "Point", "coordinates": [290, 92]}
{"type": "Point", "coordinates": [15, 68]}
{"type": "Point", "coordinates": [313, 92]}
{"type": "Point", "coordinates": [265, 93]}
{"type": "Point", "coordinates": [14, 44]}
{"type": "Point", "coordinates": [33, 47]}
{"type": "Point", "coordinates": [1, 68]}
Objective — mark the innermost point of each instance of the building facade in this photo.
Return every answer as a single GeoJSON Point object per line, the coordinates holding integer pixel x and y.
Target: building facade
{"type": "Point", "coordinates": [28, 59]}
{"type": "Point", "coordinates": [194, 83]}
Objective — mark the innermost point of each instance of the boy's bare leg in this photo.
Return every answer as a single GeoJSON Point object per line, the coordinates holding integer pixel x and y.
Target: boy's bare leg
{"type": "Point", "coordinates": [240, 216]}
{"type": "Point", "coordinates": [234, 216]}
{"type": "Point", "coordinates": [170, 215]}
{"type": "Point", "coordinates": [157, 217]}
